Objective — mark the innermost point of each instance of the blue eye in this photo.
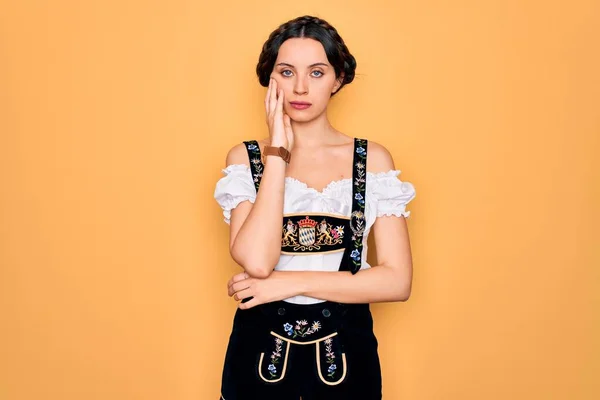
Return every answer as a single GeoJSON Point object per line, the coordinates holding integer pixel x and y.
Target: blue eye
{"type": "Point", "coordinates": [287, 70]}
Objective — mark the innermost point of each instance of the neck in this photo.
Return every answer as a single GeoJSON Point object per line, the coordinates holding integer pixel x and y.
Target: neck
{"type": "Point", "coordinates": [314, 133]}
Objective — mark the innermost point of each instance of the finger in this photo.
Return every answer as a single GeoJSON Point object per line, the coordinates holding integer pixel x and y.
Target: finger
{"type": "Point", "coordinates": [279, 109]}
{"type": "Point", "coordinates": [238, 286]}
{"type": "Point", "coordinates": [237, 278]}
{"type": "Point", "coordinates": [242, 294]}
{"type": "Point", "coordinates": [230, 291]}
{"type": "Point", "coordinates": [230, 281]}
{"type": "Point", "coordinates": [289, 132]}
{"type": "Point", "coordinates": [273, 98]}
{"type": "Point", "coordinates": [248, 304]}
{"type": "Point", "coordinates": [268, 96]}
{"type": "Point", "coordinates": [240, 277]}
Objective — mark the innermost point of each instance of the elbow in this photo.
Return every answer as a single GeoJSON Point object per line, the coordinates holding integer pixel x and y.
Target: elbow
{"type": "Point", "coordinates": [403, 285]}
{"type": "Point", "coordinates": [402, 293]}
{"type": "Point", "coordinates": [256, 267]}
{"type": "Point", "coordinates": [258, 272]}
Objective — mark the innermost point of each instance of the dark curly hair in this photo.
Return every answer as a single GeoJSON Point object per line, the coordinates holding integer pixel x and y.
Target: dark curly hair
{"type": "Point", "coordinates": [307, 27]}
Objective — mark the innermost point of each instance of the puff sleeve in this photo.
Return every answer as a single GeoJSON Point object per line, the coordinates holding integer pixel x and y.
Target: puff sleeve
{"type": "Point", "coordinates": [392, 194]}
{"type": "Point", "coordinates": [235, 187]}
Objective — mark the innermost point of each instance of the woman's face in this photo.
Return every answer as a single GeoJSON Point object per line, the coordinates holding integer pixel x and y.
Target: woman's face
{"type": "Point", "coordinates": [305, 75]}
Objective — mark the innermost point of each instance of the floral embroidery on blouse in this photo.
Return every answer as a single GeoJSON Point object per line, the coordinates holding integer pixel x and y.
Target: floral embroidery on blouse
{"type": "Point", "coordinates": [301, 328]}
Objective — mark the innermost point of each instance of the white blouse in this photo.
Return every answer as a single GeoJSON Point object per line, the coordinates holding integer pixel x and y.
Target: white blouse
{"type": "Point", "coordinates": [385, 194]}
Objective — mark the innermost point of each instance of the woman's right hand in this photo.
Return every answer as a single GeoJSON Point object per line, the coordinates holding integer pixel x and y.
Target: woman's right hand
{"type": "Point", "coordinates": [280, 125]}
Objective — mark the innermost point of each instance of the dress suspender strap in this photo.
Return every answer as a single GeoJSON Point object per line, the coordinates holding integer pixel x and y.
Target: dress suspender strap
{"type": "Point", "coordinates": [352, 259]}
{"type": "Point", "coordinates": [256, 165]}
{"type": "Point", "coordinates": [256, 168]}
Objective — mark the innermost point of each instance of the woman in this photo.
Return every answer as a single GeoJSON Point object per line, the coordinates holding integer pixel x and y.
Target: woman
{"type": "Point", "coordinates": [303, 328]}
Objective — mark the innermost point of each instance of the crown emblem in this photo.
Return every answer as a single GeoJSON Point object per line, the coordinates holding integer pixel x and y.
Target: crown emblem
{"type": "Point", "coordinates": [307, 223]}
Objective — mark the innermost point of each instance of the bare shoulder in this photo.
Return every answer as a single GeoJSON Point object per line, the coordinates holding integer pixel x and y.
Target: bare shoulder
{"type": "Point", "coordinates": [379, 158]}
{"type": "Point", "coordinates": [239, 155]}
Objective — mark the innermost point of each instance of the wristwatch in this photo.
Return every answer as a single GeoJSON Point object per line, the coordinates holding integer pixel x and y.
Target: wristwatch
{"type": "Point", "coordinates": [276, 151]}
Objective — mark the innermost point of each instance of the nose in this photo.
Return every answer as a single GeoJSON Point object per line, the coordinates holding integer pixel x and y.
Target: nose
{"type": "Point", "coordinates": [300, 86]}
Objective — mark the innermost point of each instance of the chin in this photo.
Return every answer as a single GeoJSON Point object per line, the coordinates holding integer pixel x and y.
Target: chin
{"type": "Point", "coordinates": [301, 118]}
{"type": "Point", "coordinates": [300, 115]}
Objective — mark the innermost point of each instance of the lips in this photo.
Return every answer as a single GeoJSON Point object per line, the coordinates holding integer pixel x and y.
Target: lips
{"type": "Point", "coordinates": [300, 105]}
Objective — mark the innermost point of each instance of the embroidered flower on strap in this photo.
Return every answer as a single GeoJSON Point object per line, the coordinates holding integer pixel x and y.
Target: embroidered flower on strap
{"type": "Point", "coordinates": [256, 165]}
{"type": "Point", "coordinates": [357, 218]}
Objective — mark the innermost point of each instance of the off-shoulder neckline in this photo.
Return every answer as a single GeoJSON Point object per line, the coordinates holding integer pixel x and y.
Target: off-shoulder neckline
{"type": "Point", "coordinates": [330, 185]}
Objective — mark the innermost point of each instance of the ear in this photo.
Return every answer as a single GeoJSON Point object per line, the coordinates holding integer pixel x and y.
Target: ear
{"type": "Point", "coordinates": [338, 83]}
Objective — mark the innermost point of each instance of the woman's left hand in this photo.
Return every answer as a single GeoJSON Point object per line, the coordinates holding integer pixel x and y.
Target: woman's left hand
{"type": "Point", "coordinates": [273, 288]}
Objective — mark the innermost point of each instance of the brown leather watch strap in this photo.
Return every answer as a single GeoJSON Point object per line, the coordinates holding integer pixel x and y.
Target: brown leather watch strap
{"type": "Point", "coordinates": [276, 151]}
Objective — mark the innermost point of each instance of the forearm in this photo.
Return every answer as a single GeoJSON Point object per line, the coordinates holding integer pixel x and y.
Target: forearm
{"type": "Point", "coordinates": [380, 283]}
{"type": "Point", "coordinates": [257, 245]}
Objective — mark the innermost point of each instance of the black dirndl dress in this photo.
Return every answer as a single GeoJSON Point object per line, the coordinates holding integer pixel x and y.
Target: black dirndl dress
{"type": "Point", "coordinates": [328, 350]}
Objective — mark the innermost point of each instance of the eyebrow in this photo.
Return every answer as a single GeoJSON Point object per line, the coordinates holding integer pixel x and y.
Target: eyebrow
{"type": "Point", "coordinates": [310, 66]}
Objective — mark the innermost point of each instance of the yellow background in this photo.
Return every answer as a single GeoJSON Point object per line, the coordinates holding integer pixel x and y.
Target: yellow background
{"type": "Point", "coordinates": [115, 119]}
